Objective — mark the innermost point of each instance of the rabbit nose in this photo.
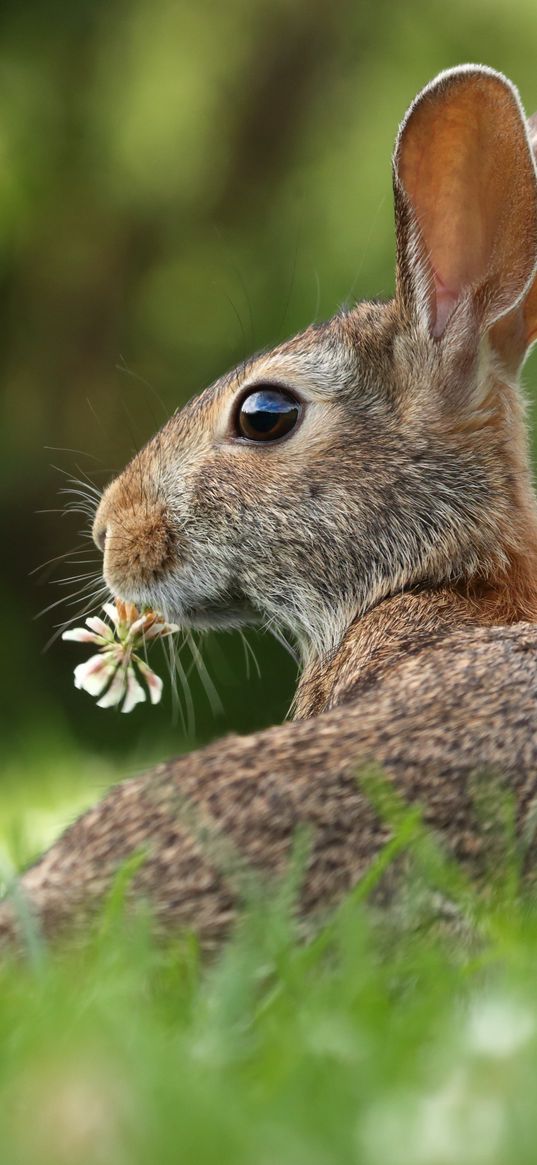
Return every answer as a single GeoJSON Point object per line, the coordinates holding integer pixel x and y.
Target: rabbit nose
{"type": "Point", "coordinates": [100, 531]}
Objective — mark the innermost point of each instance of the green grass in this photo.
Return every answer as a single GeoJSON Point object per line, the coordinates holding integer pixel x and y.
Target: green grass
{"type": "Point", "coordinates": [385, 1038]}
{"type": "Point", "coordinates": [42, 789]}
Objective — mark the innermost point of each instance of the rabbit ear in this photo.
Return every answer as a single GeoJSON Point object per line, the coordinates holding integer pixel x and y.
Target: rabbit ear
{"type": "Point", "coordinates": [465, 200]}
{"type": "Point", "coordinates": [529, 306]}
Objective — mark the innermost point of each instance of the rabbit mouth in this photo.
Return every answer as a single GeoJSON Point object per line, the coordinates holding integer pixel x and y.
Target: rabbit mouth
{"type": "Point", "coordinates": [224, 611]}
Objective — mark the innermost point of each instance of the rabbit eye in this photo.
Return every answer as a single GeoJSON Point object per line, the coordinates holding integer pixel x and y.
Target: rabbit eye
{"type": "Point", "coordinates": [267, 414]}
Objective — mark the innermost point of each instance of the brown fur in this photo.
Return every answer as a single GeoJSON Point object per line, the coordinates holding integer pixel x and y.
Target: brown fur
{"type": "Point", "coordinates": [467, 700]}
{"type": "Point", "coordinates": [393, 533]}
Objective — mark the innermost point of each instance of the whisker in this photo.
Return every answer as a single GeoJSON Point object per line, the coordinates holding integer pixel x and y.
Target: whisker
{"type": "Point", "coordinates": [238, 272]}
{"type": "Point", "coordinates": [65, 582]}
{"type": "Point", "coordinates": [93, 605]}
{"type": "Point", "coordinates": [97, 418]}
{"type": "Point", "coordinates": [170, 664]}
{"type": "Point", "coordinates": [279, 636]}
{"type": "Point", "coordinates": [186, 710]}
{"type": "Point", "coordinates": [79, 501]}
{"type": "Point", "coordinates": [237, 315]}
{"type": "Point", "coordinates": [249, 654]}
{"type": "Point", "coordinates": [85, 488]}
{"type": "Point", "coordinates": [67, 600]}
{"type": "Point", "coordinates": [124, 368]}
{"type": "Point", "coordinates": [208, 685]}
{"type": "Point", "coordinates": [67, 473]}
{"type": "Point", "coordinates": [59, 557]}
{"type": "Point", "coordinates": [63, 510]}
{"type": "Point", "coordinates": [85, 481]}
{"type": "Point", "coordinates": [76, 452]}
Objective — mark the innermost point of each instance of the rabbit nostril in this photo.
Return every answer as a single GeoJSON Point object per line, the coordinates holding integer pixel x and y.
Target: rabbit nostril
{"type": "Point", "coordinates": [99, 537]}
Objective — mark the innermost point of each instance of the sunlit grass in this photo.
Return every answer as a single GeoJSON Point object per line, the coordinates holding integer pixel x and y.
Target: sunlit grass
{"type": "Point", "coordinates": [42, 791]}
{"type": "Point", "coordinates": [405, 1036]}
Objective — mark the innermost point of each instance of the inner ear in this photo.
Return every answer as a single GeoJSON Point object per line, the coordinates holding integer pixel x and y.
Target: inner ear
{"type": "Point", "coordinates": [466, 198]}
{"type": "Point", "coordinates": [529, 307]}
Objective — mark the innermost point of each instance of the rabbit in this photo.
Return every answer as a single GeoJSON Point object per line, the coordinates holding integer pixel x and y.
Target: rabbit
{"type": "Point", "coordinates": [365, 487]}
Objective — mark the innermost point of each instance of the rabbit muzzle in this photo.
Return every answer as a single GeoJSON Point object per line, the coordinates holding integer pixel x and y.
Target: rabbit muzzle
{"type": "Point", "coordinates": [138, 543]}
{"type": "Point", "coordinates": [147, 559]}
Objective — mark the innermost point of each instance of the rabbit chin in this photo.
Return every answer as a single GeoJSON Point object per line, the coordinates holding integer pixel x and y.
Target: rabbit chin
{"type": "Point", "coordinates": [219, 614]}
{"type": "Point", "coordinates": [213, 617]}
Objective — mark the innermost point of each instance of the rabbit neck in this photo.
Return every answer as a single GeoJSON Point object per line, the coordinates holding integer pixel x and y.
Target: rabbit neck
{"type": "Point", "coordinates": [502, 591]}
{"type": "Point", "coordinates": [405, 624]}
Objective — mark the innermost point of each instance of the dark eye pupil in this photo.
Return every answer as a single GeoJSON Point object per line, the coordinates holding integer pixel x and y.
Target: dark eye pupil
{"type": "Point", "coordinates": [267, 413]}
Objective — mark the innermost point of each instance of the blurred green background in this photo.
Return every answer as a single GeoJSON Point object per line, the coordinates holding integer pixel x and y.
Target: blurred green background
{"type": "Point", "coordinates": [180, 183]}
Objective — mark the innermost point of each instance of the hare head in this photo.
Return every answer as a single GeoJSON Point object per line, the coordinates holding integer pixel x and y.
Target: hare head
{"type": "Point", "coordinates": [376, 452]}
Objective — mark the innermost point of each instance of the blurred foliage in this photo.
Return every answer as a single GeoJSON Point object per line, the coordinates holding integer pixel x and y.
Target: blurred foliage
{"type": "Point", "coordinates": [393, 1039]}
{"type": "Point", "coordinates": [181, 183]}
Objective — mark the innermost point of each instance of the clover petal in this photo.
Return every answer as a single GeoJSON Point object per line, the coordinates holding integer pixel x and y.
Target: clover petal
{"type": "Point", "coordinates": [153, 681]}
{"type": "Point", "coordinates": [113, 674]}
{"type": "Point", "coordinates": [135, 692]}
{"type": "Point", "coordinates": [115, 691]}
{"type": "Point", "coordinates": [138, 628]}
{"type": "Point", "coordinates": [112, 612]}
{"type": "Point", "coordinates": [99, 627]}
{"type": "Point", "coordinates": [81, 635]}
{"type": "Point", "coordinates": [161, 630]}
{"type": "Point", "coordinates": [93, 675]}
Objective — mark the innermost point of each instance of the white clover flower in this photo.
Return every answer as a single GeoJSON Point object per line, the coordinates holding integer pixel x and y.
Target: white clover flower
{"type": "Point", "coordinates": [114, 673]}
{"type": "Point", "coordinates": [454, 1124]}
{"type": "Point", "coordinates": [463, 1111]}
{"type": "Point", "coordinates": [499, 1028]}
